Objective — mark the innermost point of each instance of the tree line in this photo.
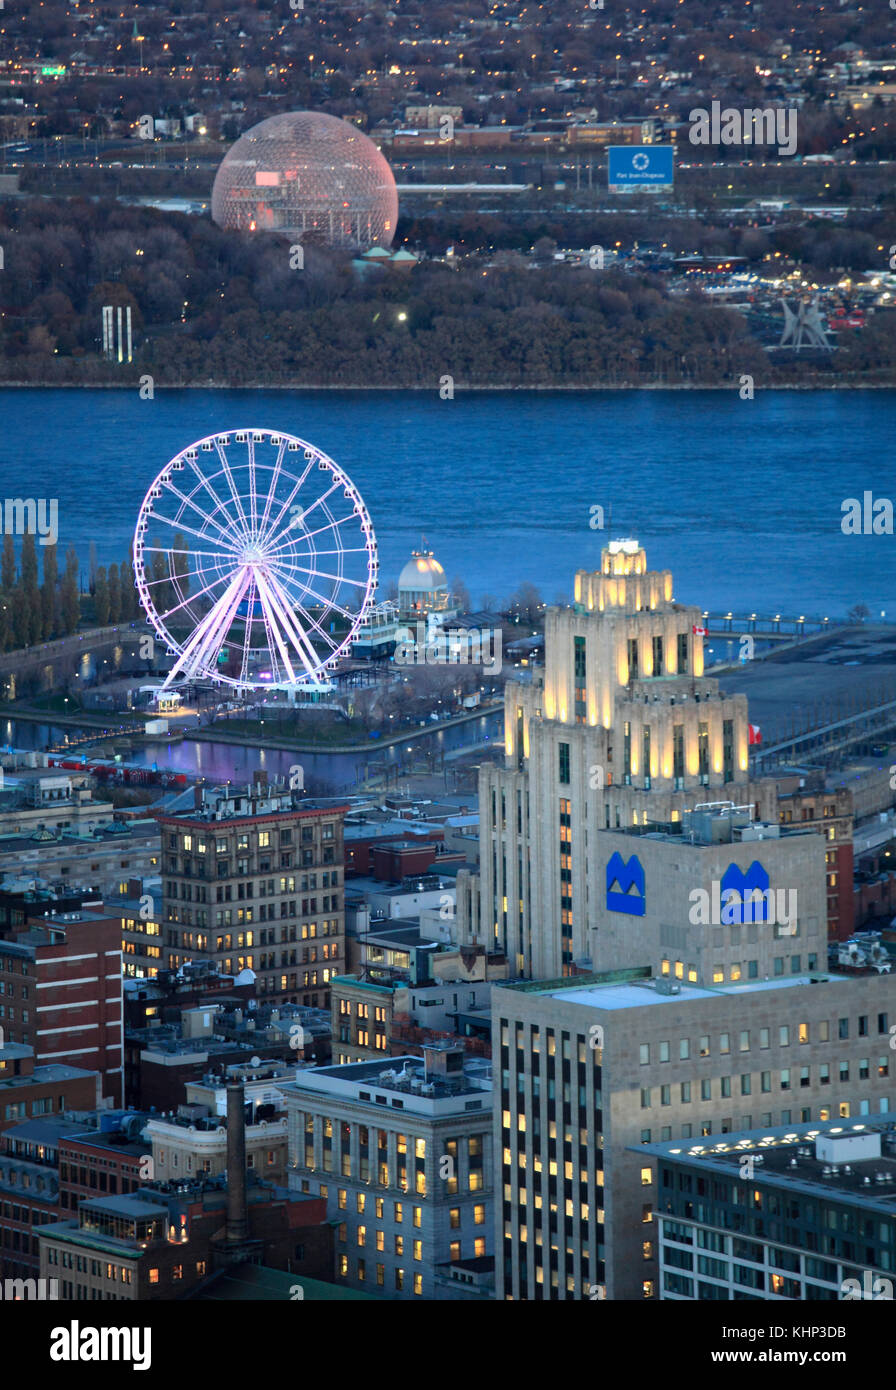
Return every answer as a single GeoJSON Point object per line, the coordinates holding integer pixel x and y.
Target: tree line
{"type": "Point", "coordinates": [214, 307]}
{"type": "Point", "coordinates": [38, 603]}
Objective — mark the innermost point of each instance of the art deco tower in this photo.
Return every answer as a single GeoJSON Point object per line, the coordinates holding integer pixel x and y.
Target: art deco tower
{"type": "Point", "coordinates": [621, 730]}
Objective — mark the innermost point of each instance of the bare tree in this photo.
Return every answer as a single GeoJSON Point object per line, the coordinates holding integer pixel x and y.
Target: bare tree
{"type": "Point", "coordinates": [461, 595]}
{"type": "Point", "coordinates": [526, 604]}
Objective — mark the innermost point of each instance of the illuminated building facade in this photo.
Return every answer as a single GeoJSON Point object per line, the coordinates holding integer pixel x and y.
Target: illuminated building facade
{"type": "Point", "coordinates": [621, 730]}
{"type": "Point", "coordinates": [403, 1156]}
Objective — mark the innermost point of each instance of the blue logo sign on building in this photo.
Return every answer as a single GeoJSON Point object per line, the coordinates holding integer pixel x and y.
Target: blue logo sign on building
{"type": "Point", "coordinates": [744, 896]}
{"type": "Point", "coordinates": [640, 168]}
{"type": "Point", "coordinates": [625, 885]}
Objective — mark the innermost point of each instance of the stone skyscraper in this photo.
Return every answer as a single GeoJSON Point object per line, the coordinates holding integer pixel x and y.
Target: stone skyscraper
{"type": "Point", "coordinates": [621, 729]}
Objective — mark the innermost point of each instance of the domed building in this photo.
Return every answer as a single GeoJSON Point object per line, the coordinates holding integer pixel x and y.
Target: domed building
{"type": "Point", "coordinates": [422, 587]}
{"type": "Point", "coordinates": [310, 176]}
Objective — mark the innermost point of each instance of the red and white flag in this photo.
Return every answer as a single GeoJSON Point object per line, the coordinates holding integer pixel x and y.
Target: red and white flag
{"type": "Point", "coordinates": [755, 733]}
{"type": "Point", "coordinates": [700, 631]}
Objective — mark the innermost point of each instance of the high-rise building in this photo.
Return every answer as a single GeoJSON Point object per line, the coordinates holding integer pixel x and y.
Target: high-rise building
{"type": "Point", "coordinates": [403, 1156]}
{"type": "Point", "coordinates": [591, 1066]}
{"type": "Point", "coordinates": [253, 880]}
{"type": "Point", "coordinates": [622, 730]}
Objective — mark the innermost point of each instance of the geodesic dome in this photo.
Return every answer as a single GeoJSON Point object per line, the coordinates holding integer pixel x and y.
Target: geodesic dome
{"type": "Point", "coordinates": [312, 176]}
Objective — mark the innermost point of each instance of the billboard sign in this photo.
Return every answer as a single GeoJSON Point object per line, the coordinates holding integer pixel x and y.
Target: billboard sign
{"type": "Point", "coordinates": [640, 168]}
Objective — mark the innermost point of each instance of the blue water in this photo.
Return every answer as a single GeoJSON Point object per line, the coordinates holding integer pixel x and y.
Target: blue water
{"type": "Point", "coordinates": [740, 499]}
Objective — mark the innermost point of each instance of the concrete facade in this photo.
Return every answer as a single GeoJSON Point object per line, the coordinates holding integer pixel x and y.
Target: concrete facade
{"type": "Point", "coordinates": [622, 730]}
{"type": "Point", "coordinates": [404, 1158]}
{"type": "Point", "coordinates": [653, 1065]}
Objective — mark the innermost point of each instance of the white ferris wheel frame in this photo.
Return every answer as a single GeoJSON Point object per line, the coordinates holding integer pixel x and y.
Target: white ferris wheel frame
{"type": "Point", "coordinates": [251, 557]}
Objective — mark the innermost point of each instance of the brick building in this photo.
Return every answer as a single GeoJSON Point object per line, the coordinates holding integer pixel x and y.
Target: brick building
{"type": "Point", "coordinates": [253, 880]}
{"type": "Point", "coordinates": [28, 1091]}
{"type": "Point", "coordinates": [61, 993]}
{"type": "Point", "coordinates": [830, 812]}
{"type": "Point", "coordinates": [162, 1242]}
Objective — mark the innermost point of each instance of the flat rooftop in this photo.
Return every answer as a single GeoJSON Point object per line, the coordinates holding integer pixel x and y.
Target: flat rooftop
{"type": "Point", "coordinates": [255, 1283]}
{"type": "Point", "coordinates": [786, 1159]}
{"type": "Point", "coordinates": [53, 1071]}
{"type": "Point", "coordinates": [644, 994]}
{"type": "Point", "coordinates": [401, 1082]}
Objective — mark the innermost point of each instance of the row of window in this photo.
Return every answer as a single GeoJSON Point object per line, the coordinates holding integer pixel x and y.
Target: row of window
{"type": "Point", "coordinates": [741, 970]}
{"type": "Point", "coordinates": [43, 1105]}
{"type": "Point", "coordinates": [344, 1269]}
{"type": "Point", "coordinates": [8, 987]}
{"type": "Point", "coordinates": [363, 1010]}
{"type": "Point", "coordinates": [783, 1036]}
{"type": "Point", "coordinates": [9, 1011]}
{"type": "Point", "coordinates": [268, 936]}
{"type": "Point", "coordinates": [845, 1110]}
{"type": "Point", "coordinates": [100, 1269]}
{"type": "Point", "coordinates": [264, 839]}
{"type": "Point", "coordinates": [788, 1078]}
{"type": "Point", "coordinates": [378, 1205]}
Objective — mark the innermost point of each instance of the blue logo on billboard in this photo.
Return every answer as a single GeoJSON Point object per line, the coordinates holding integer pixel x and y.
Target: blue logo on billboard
{"type": "Point", "coordinates": [744, 896]}
{"type": "Point", "coordinates": [625, 885]}
{"type": "Point", "coordinates": [640, 167]}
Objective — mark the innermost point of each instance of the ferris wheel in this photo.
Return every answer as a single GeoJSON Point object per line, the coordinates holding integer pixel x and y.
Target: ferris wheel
{"type": "Point", "coordinates": [255, 561]}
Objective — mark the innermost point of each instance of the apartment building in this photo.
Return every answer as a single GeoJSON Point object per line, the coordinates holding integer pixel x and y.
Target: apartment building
{"type": "Point", "coordinates": [253, 880]}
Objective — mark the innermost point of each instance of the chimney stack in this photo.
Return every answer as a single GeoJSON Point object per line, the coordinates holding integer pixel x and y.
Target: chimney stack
{"type": "Point", "coordinates": [237, 1210]}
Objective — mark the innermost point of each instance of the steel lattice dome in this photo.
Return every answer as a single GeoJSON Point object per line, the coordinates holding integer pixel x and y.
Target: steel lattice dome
{"type": "Point", "coordinates": [312, 176]}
